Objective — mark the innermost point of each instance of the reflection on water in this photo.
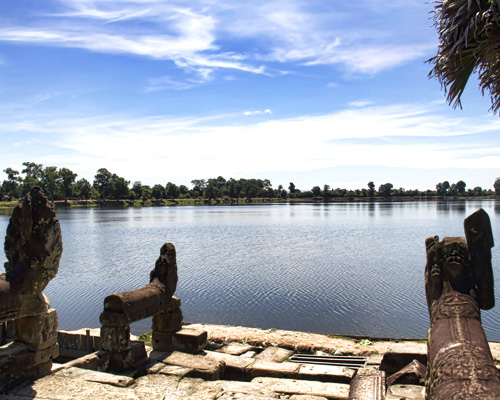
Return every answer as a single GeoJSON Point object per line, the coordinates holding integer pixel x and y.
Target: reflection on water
{"type": "Point", "coordinates": [348, 268]}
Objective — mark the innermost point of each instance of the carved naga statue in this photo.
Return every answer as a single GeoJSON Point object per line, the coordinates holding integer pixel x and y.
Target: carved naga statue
{"type": "Point", "coordinates": [33, 247]}
{"type": "Point", "coordinates": [458, 283]}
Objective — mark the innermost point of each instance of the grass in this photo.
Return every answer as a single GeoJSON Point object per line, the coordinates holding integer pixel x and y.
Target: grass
{"type": "Point", "coordinates": [146, 338]}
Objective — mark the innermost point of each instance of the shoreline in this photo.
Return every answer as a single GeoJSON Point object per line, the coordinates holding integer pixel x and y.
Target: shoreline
{"type": "Point", "coordinates": [61, 204]}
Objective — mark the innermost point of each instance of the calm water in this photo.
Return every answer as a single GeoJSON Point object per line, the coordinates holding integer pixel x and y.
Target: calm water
{"type": "Point", "coordinates": [354, 268]}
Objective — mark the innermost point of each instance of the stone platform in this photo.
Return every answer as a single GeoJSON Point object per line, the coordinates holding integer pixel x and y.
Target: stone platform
{"type": "Point", "coordinates": [239, 363]}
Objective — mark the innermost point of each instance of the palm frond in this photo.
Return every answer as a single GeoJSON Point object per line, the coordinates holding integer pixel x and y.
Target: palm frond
{"type": "Point", "coordinates": [469, 41]}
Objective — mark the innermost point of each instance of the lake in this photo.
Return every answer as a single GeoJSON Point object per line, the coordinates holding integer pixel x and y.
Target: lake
{"type": "Point", "coordinates": [344, 268]}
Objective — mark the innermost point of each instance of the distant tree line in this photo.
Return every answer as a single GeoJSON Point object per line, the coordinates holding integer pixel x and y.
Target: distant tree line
{"type": "Point", "coordinates": [61, 184]}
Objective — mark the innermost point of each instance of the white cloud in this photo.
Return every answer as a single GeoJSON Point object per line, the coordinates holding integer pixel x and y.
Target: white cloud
{"type": "Point", "coordinates": [360, 103]}
{"type": "Point", "coordinates": [193, 35]}
{"type": "Point", "coordinates": [393, 136]}
{"type": "Point", "coordinates": [258, 112]}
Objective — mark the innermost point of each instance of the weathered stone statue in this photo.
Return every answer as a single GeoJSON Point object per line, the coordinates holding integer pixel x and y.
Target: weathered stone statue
{"type": "Point", "coordinates": [153, 300]}
{"type": "Point", "coordinates": [33, 247]}
{"type": "Point", "coordinates": [458, 282]}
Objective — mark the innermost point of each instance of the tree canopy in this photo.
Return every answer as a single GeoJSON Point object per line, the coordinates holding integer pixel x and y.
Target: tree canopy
{"type": "Point", "coordinates": [469, 39]}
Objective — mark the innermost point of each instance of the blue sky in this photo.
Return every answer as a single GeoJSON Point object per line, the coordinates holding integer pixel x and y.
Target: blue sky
{"type": "Point", "coordinates": [314, 92]}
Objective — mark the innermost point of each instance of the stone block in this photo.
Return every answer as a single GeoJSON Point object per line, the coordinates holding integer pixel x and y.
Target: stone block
{"type": "Point", "coordinates": [407, 392]}
{"type": "Point", "coordinates": [274, 354]}
{"type": "Point", "coordinates": [97, 361]}
{"type": "Point", "coordinates": [272, 369]}
{"type": "Point", "coordinates": [95, 376]}
{"type": "Point", "coordinates": [115, 338]}
{"type": "Point", "coordinates": [399, 355]}
{"type": "Point", "coordinates": [204, 366]}
{"type": "Point", "coordinates": [413, 374]}
{"type": "Point", "coordinates": [170, 321]}
{"type": "Point", "coordinates": [236, 349]}
{"type": "Point", "coordinates": [186, 340]}
{"type": "Point", "coordinates": [325, 373]}
{"type": "Point", "coordinates": [37, 331]}
{"type": "Point", "coordinates": [19, 362]}
{"type": "Point", "coordinates": [176, 370]}
{"type": "Point", "coordinates": [134, 355]}
{"type": "Point", "coordinates": [306, 388]}
{"type": "Point", "coordinates": [369, 384]}
{"type": "Point", "coordinates": [236, 366]}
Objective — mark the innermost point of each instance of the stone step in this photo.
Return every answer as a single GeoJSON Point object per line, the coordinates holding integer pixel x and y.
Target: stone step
{"type": "Point", "coordinates": [274, 354]}
{"type": "Point", "coordinates": [236, 349]}
{"type": "Point", "coordinates": [95, 376]}
{"type": "Point", "coordinates": [325, 373]}
{"type": "Point", "coordinates": [369, 384]}
{"type": "Point", "coordinates": [407, 392]}
{"type": "Point", "coordinates": [203, 366]}
{"type": "Point", "coordinates": [335, 391]}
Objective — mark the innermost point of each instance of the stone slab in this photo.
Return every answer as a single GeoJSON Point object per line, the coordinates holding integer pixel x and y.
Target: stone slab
{"type": "Point", "coordinates": [407, 392]}
{"type": "Point", "coordinates": [369, 384]}
{"type": "Point", "coordinates": [39, 332]}
{"type": "Point", "coordinates": [335, 391]}
{"type": "Point", "coordinates": [399, 355]}
{"type": "Point", "coordinates": [60, 388]}
{"type": "Point", "coordinates": [236, 349]}
{"type": "Point", "coordinates": [203, 366]}
{"type": "Point", "coordinates": [95, 376]}
{"type": "Point", "coordinates": [325, 373]}
{"type": "Point", "coordinates": [275, 354]}
{"type": "Point", "coordinates": [186, 340]}
{"type": "Point", "coordinates": [305, 397]}
{"type": "Point", "coordinates": [273, 369]}
{"type": "Point", "coordinates": [177, 371]}
{"type": "Point", "coordinates": [236, 366]}
{"type": "Point", "coordinates": [97, 361]}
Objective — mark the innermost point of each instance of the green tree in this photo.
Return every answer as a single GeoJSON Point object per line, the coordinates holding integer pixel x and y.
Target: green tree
{"type": "Point", "coordinates": [158, 192]}
{"type": "Point", "coordinates": [172, 190]}
{"type": "Point", "coordinates": [496, 186]}
{"type": "Point", "coordinates": [316, 191]}
{"type": "Point", "coordinates": [461, 187]}
{"type": "Point", "coordinates": [198, 186]}
{"type": "Point", "coordinates": [469, 39]}
{"type": "Point", "coordinates": [50, 181]}
{"type": "Point", "coordinates": [83, 189]}
{"type": "Point", "coordinates": [67, 178]}
{"type": "Point", "coordinates": [119, 187]}
{"type": "Point", "coordinates": [371, 189]}
{"type": "Point", "coordinates": [137, 189]}
{"type": "Point", "coordinates": [11, 186]}
{"type": "Point", "coordinates": [32, 176]}
{"type": "Point", "coordinates": [146, 192]}
{"type": "Point", "coordinates": [102, 182]}
{"type": "Point", "coordinates": [385, 189]}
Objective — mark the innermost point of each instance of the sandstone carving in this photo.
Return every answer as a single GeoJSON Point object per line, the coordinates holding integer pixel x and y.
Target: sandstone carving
{"type": "Point", "coordinates": [458, 282]}
{"type": "Point", "coordinates": [33, 247]}
{"type": "Point", "coordinates": [153, 300]}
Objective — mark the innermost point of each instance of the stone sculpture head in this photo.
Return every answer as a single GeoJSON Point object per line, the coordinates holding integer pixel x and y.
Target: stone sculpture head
{"type": "Point", "coordinates": [33, 244]}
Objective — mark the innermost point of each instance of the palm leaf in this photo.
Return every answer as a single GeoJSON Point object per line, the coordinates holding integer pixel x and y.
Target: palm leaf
{"type": "Point", "coordinates": [469, 41]}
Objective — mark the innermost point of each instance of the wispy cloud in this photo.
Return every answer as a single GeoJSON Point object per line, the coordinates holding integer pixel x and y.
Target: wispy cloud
{"type": "Point", "coordinates": [258, 112]}
{"type": "Point", "coordinates": [398, 136]}
{"type": "Point", "coordinates": [202, 37]}
{"type": "Point", "coordinates": [360, 103]}
{"type": "Point", "coordinates": [167, 83]}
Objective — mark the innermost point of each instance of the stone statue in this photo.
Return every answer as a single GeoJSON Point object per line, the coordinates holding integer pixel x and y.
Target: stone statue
{"type": "Point", "coordinates": [458, 282]}
{"type": "Point", "coordinates": [153, 300]}
{"type": "Point", "coordinates": [33, 247]}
